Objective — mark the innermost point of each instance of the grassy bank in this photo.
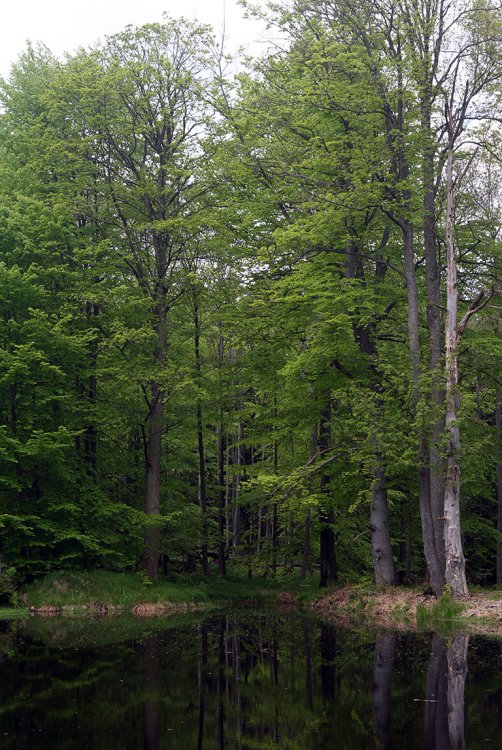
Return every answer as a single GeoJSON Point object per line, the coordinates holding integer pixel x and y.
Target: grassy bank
{"type": "Point", "coordinates": [412, 609]}
{"type": "Point", "coordinates": [97, 589]}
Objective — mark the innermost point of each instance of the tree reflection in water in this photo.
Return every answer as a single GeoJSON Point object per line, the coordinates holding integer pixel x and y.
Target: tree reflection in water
{"type": "Point", "coordinates": [245, 681]}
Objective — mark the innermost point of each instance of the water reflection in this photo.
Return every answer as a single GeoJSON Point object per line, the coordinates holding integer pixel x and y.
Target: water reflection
{"type": "Point", "coordinates": [244, 681]}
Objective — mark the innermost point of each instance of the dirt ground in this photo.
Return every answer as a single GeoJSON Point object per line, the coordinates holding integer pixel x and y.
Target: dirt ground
{"type": "Point", "coordinates": [397, 608]}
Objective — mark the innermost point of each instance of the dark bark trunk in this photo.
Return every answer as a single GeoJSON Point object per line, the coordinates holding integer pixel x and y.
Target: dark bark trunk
{"type": "Point", "coordinates": [153, 451]}
{"type": "Point", "coordinates": [328, 571]}
{"type": "Point", "coordinates": [153, 461]}
{"type": "Point", "coordinates": [222, 565]}
{"type": "Point", "coordinates": [307, 549]}
{"type": "Point", "coordinates": [200, 447]}
{"type": "Point", "coordinates": [202, 684]}
{"type": "Point", "coordinates": [383, 668]}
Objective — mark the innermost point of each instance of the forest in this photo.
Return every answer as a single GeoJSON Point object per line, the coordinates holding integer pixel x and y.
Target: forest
{"type": "Point", "coordinates": [252, 320]}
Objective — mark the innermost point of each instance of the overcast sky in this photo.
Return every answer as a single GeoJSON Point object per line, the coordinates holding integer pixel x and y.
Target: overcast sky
{"type": "Point", "coordinates": [64, 25]}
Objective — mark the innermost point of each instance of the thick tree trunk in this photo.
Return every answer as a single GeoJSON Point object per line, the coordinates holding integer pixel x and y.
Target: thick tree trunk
{"type": "Point", "coordinates": [426, 516]}
{"type": "Point", "coordinates": [153, 461]}
{"type": "Point", "coordinates": [381, 547]}
{"type": "Point", "coordinates": [455, 562]}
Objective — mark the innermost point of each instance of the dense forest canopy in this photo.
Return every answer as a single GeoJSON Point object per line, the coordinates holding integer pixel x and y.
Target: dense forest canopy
{"type": "Point", "coordinates": [254, 320]}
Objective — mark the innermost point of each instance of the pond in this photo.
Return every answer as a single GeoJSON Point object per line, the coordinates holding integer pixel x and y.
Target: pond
{"type": "Point", "coordinates": [244, 679]}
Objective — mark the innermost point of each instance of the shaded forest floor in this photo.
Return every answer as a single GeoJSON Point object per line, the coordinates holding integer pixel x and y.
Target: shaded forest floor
{"type": "Point", "coordinates": [406, 608]}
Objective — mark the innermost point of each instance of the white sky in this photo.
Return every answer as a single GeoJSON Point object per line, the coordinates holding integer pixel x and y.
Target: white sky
{"type": "Point", "coordinates": [64, 25]}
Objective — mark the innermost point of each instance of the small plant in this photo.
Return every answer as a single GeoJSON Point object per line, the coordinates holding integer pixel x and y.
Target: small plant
{"type": "Point", "coordinates": [442, 615]}
{"type": "Point", "coordinates": [144, 578]}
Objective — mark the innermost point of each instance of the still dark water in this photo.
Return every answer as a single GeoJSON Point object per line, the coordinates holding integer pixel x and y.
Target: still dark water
{"type": "Point", "coordinates": [244, 680]}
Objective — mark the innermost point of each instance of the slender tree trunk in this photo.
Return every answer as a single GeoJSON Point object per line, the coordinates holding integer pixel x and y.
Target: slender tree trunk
{"type": "Point", "coordinates": [433, 277]}
{"type": "Point", "coordinates": [381, 547]}
{"type": "Point", "coordinates": [153, 460]}
{"type": "Point", "coordinates": [328, 573]}
{"type": "Point", "coordinates": [153, 450]}
{"type": "Point", "coordinates": [307, 548]}
{"type": "Point", "coordinates": [455, 562]}
{"type": "Point", "coordinates": [222, 566]}
{"type": "Point", "coordinates": [200, 446]}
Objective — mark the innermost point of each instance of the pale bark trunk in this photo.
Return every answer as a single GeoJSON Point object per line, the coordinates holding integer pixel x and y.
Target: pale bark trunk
{"type": "Point", "coordinates": [381, 547]}
{"type": "Point", "coordinates": [455, 562]}
{"type": "Point", "coordinates": [433, 277]}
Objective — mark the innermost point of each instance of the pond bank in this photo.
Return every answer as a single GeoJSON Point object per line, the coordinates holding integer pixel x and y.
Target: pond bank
{"type": "Point", "coordinates": [410, 609]}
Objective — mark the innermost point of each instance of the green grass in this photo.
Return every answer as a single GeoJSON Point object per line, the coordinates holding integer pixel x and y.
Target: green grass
{"type": "Point", "coordinates": [444, 616]}
{"type": "Point", "coordinates": [124, 590]}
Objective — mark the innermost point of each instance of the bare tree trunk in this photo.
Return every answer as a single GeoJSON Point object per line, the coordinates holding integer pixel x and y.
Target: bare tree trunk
{"type": "Point", "coordinates": [381, 547]}
{"type": "Point", "coordinates": [426, 516]}
{"type": "Point", "coordinates": [433, 277]}
{"type": "Point", "coordinates": [455, 561]}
